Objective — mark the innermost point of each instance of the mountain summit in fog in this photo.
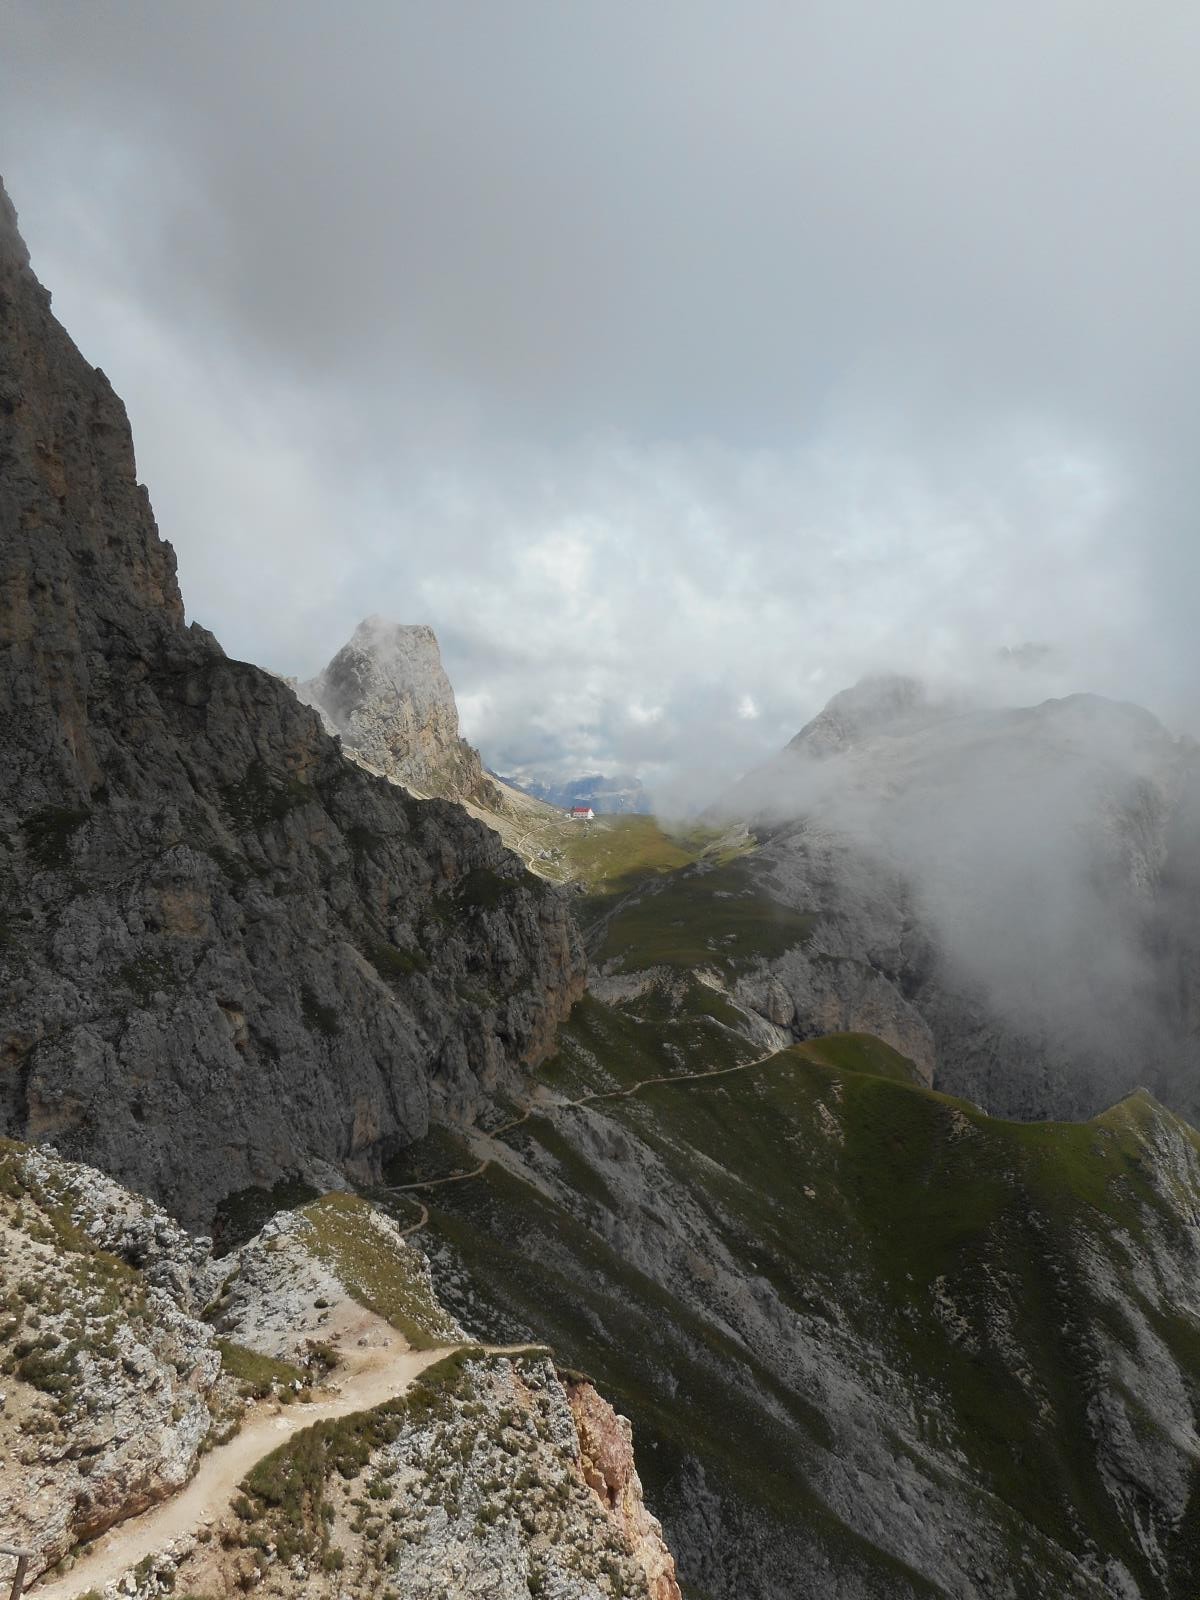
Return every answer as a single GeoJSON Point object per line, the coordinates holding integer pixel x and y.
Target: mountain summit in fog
{"type": "Point", "coordinates": [1015, 887]}
{"type": "Point", "coordinates": [387, 695]}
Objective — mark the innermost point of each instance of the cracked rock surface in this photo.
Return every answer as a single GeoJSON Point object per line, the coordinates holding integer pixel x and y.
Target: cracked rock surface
{"type": "Point", "coordinates": [226, 952]}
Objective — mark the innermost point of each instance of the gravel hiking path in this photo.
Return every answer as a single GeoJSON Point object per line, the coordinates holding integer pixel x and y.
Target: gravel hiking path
{"type": "Point", "coordinates": [370, 1373]}
{"type": "Point", "coordinates": [546, 1108]}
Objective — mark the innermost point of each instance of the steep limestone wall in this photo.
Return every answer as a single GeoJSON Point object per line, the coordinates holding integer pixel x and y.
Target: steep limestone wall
{"type": "Point", "coordinates": [225, 951]}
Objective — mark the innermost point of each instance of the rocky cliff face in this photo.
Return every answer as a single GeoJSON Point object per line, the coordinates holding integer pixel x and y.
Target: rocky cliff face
{"type": "Point", "coordinates": [1006, 896]}
{"type": "Point", "coordinates": [480, 1485]}
{"type": "Point", "coordinates": [226, 952]}
{"type": "Point", "coordinates": [112, 1381]}
{"type": "Point", "coordinates": [473, 1464]}
{"type": "Point", "coordinates": [387, 695]}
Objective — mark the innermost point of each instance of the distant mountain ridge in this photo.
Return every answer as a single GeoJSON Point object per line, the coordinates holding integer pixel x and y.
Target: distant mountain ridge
{"type": "Point", "coordinates": [1009, 896]}
{"type": "Point", "coordinates": [619, 795]}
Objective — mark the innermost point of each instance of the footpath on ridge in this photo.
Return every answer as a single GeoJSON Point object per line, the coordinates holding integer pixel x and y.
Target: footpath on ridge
{"type": "Point", "coordinates": [371, 1374]}
{"type": "Point", "coordinates": [546, 1108]}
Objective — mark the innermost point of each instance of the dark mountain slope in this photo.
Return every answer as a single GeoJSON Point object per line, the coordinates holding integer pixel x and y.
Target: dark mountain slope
{"type": "Point", "coordinates": [225, 951]}
{"type": "Point", "coordinates": [873, 1342]}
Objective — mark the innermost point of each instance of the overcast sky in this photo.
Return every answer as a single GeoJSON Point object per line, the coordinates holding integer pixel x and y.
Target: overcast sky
{"type": "Point", "coordinates": [679, 363]}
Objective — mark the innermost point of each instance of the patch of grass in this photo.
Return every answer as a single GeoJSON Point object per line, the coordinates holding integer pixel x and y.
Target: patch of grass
{"type": "Point", "coordinates": [49, 832]}
{"type": "Point", "coordinates": [381, 1273]}
{"type": "Point", "coordinates": [613, 854]}
{"type": "Point", "coordinates": [148, 975]}
{"type": "Point", "coordinates": [243, 1212]}
{"type": "Point", "coordinates": [365, 843]}
{"type": "Point", "coordinates": [263, 797]}
{"type": "Point", "coordinates": [50, 1370]}
{"type": "Point", "coordinates": [603, 1047]}
{"type": "Point", "coordinates": [481, 889]}
{"type": "Point", "coordinates": [860, 1052]}
{"type": "Point", "coordinates": [688, 999]}
{"type": "Point", "coordinates": [390, 961]}
{"type": "Point", "coordinates": [287, 1489]}
{"type": "Point", "coordinates": [319, 1018]}
{"type": "Point", "coordinates": [701, 917]}
{"type": "Point", "coordinates": [258, 1375]}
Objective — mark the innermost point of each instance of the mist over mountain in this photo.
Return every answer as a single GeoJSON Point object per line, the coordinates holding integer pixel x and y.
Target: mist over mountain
{"type": "Point", "coordinates": [386, 695]}
{"type": "Point", "coordinates": [1024, 880]}
{"type": "Point", "coordinates": [874, 344]}
{"type": "Point", "coordinates": [772, 429]}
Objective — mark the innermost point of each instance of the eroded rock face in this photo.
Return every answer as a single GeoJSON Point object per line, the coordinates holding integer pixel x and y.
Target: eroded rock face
{"type": "Point", "coordinates": [387, 695]}
{"type": "Point", "coordinates": [225, 949]}
{"type": "Point", "coordinates": [482, 1479]}
{"type": "Point", "coordinates": [112, 1378]}
{"type": "Point", "coordinates": [607, 1463]}
{"type": "Point", "coordinates": [475, 1466]}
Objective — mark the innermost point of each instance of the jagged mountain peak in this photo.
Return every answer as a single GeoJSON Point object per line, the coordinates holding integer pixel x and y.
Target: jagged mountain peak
{"type": "Point", "coordinates": [405, 655]}
{"type": "Point", "coordinates": [882, 702]}
{"type": "Point", "coordinates": [387, 695]}
{"type": "Point", "coordinates": [895, 706]}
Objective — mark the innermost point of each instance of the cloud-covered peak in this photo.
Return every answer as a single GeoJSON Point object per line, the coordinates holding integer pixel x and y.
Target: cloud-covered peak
{"type": "Point", "coordinates": [857, 337]}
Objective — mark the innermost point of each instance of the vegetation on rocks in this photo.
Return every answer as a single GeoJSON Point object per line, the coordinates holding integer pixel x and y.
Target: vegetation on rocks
{"type": "Point", "coordinates": [377, 1268]}
{"type": "Point", "coordinates": [479, 1460]}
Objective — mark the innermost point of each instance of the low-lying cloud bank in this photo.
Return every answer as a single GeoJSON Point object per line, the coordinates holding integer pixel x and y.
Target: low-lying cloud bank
{"type": "Point", "coordinates": [677, 369]}
{"type": "Point", "coordinates": [1049, 868]}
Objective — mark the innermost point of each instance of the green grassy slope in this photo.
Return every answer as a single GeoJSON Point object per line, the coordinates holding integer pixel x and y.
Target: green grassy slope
{"type": "Point", "coordinates": [716, 1254]}
{"type": "Point", "coordinates": [680, 898]}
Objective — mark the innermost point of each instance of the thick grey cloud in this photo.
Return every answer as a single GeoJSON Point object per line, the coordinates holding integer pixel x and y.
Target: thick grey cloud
{"type": "Point", "coordinates": [677, 362]}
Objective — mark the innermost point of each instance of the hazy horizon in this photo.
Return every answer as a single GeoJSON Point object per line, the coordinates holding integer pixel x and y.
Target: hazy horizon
{"type": "Point", "coordinates": [678, 368]}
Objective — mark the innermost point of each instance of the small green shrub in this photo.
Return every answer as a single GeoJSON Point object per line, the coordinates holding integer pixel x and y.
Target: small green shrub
{"type": "Point", "coordinates": [319, 1018]}
{"type": "Point", "coordinates": [148, 975]}
{"type": "Point", "coordinates": [481, 889]}
{"type": "Point", "coordinates": [49, 832]}
{"type": "Point", "coordinates": [390, 961]}
{"type": "Point", "coordinates": [257, 1374]}
{"type": "Point", "coordinates": [263, 797]}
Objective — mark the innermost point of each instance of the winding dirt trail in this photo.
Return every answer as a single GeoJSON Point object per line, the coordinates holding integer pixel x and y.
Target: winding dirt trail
{"type": "Point", "coordinates": [546, 1108]}
{"type": "Point", "coordinates": [370, 1374]}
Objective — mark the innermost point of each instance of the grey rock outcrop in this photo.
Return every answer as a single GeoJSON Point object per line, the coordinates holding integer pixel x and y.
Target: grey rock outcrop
{"type": "Point", "coordinates": [115, 1389]}
{"type": "Point", "coordinates": [387, 695]}
{"type": "Point", "coordinates": [1006, 896]}
{"type": "Point", "coordinates": [224, 949]}
{"type": "Point", "coordinates": [113, 1381]}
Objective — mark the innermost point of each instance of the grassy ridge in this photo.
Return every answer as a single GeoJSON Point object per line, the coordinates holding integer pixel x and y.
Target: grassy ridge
{"type": "Point", "coordinates": [679, 898]}
{"type": "Point", "coordinates": [702, 917]}
{"type": "Point", "coordinates": [381, 1274]}
{"type": "Point", "coordinates": [613, 854]}
{"type": "Point", "coordinates": [954, 1248]}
